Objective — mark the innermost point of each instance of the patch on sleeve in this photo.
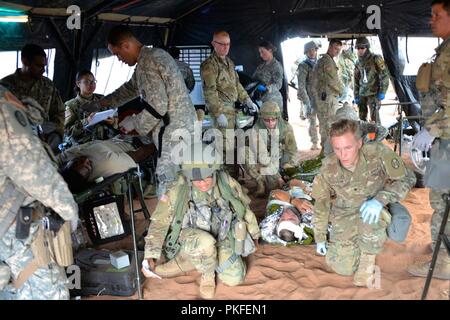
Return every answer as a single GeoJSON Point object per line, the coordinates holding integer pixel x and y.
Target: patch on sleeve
{"type": "Point", "coordinates": [394, 166]}
{"type": "Point", "coordinates": [20, 118]}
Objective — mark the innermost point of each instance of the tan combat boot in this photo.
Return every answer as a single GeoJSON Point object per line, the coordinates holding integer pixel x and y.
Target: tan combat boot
{"type": "Point", "coordinates": [174, 267]}
{"type": "Point", "coordinates": [441, 269]}
{"type": "Point", "coordinates": [364, 274]}
{"type": "Point", "coordinates": [208, 285]}
{"type": "Point", "coordinates": [261, 187]}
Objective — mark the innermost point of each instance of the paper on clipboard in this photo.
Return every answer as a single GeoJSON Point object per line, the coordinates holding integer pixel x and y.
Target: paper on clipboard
{"type": "Point", "coordinates": [101, 116]}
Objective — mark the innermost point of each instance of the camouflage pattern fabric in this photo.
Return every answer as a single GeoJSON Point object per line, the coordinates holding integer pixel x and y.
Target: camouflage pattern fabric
{"type": "Point", "coordinates": [158, 80]}
{"type": "Point", "coordinates": [346, 64]}
{"type": "Point", "coordinates": [44, 92]}
{"type": "Point", "coordinates": [271, 75]}
{"type": "Point", "coordinates": [436, 108]}
{"type": "Point", "coordinates": [305, 94]}
{"type": "Point", "coordinates": [41, 183]}
{"type": "Point", "coordinates": [328, 87]}
{"type": "Point", "coordinates": [187, 73]}
{"type": "Point", "coordinates": [339, 193]}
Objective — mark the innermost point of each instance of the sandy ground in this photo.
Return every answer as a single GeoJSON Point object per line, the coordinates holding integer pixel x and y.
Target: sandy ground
{"type": "Point", "coordinates": [294, 273]}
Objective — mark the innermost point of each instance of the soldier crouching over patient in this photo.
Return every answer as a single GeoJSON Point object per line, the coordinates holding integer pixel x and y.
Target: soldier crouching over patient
{"type": "Point", "coordinates": [355, 183]}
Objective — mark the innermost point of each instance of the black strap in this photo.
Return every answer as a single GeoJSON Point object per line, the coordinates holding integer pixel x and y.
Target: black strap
{"type": "Point", "coordinates": [166, 121]}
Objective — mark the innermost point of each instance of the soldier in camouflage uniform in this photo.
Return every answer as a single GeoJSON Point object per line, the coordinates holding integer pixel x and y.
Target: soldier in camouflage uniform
{"type": "Point", "coordinates": [328, 88]}
{"type": "Point", "coordinates": [194, 224]}
{"type": "Point", "coordinates": [76, 118]}
{"type": "Point", "coordinates": [186, 71]}
{"type": "Point", "coordinates": [305, 89]}
{"type": "Point", "coordinates": [269, 74]}
{"type": "Point", "coordinates": [29, 81]}
{"type": "Point", "coordinates": [371, 80]}
{"type": "Point", "coordinates": [436, 109]}
{"type": "Point", "coordinates": [27, 179]}
{"type": "Point", "coordinates": [346, 65]}
{"type": "Point", "coordinates": [221, 88]}
{"type": "Point", "coordinates": [170, 114]}
{"type": "Point", "coordinates": [270, 132]}
{"type": "Point", "coordinates": [370, 131]}
{"type": "Point", "coordinates": [353, 185]}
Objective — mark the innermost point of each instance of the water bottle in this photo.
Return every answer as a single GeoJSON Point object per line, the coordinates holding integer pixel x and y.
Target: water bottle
{"type": "Point", "coordinates": [240, 233]}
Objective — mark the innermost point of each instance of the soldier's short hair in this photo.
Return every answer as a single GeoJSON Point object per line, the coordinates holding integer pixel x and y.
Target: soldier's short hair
{"type": "Point", "coordinates": [343, 126]}
{"type": "Point", "coordinates": [118, 34]}
{"type": "Point", "coordinates": [335, 41]}
{"type": "Point", "coordinates": [31, 50]}
{"type": "Point", "coordinates": [219, 33]}
{"type": "Point", "coordinates": [445, 4]}
{"type": "Point", "coordinates": [268, 46]}
{"type": "Point", "coordinates": [287, 235]}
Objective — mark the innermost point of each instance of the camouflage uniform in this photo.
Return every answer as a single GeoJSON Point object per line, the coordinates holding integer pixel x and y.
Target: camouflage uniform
{"type": "Point", "coordinates": [187, 73]}
{"type": "Point", "coordinates": [287, 154]}
{"type": "Point", "coordinates": [39, 183]}
{"type": "Point", "coordinates": [198, 243]}
{"type": "Point", "coordinates": [339, 194]}
{"type": "Point", "coordinates": [271, 75]}
{"type": "Point", "coordinates": [306, 96]}
{"type": "Point", "coordinates": [371, 78]}
{"type": "Point", "coordinates": [159, 82]}
{"type": "Point", "coordinates": [221, 89]}
{"type": "Point", "coordinates": [76, 120]}
{"type": "Point", "coordinates": [346, 64]}
{"type": "Point", "coordinates": [328, 88]}
{"type": "Point", "coordinates": [436, 109]}
{"type": "Point", "coordinates": [44, 92]}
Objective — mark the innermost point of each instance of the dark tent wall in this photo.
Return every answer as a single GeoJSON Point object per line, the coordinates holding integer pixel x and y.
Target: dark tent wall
{"type": "Point", "coordinates": [194, 21]}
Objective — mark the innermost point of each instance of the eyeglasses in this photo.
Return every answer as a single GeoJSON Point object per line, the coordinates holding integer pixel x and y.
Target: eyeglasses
{"type": "Point", "coordinates": [222, 44]}
{"type": "Point", "coordinates": [88, 82]}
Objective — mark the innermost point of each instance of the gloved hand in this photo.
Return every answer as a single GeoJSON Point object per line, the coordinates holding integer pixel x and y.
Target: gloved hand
{"type": "Point", "coordinates": [222, 121]}
{"type": "Point", "coordinates": [423, 140]}
{"type": "Point", "coordinates": [370, 211]}
{"type": "Point", "coordinates": [380, 96]}
{"type": "Point", "coordinates": [127, 124]}
{"type": "Point", "coordinates": [252, 107]}
{"type": "Point", "coordinates": [321, 248]}
{"type": "Point", "coordinates": [261, 88]}
{"type": "Point", "coordinates": [91, 106]}
{"type": "Point", "coordinates": [356, 101]}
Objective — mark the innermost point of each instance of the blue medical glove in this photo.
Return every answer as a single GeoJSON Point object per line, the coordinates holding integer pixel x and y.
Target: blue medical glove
{"type": "Point", "coordinates": [381, 96]}
{"type": "Point", "coordinates": [371, 211]}
{"type": "Point", "coordinates": [222, 121]}
{"type": "Point", "coordinates": [261, 88]}
{"type": "Point", "coordinates": [356, 101]}
{"type": "Point", "coordinates": [423, 140]}
{"type": "Point", "coordinates": [321, 248]}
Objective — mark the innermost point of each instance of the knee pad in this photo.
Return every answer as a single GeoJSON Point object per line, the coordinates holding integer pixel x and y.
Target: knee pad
{"type": "Point", "coordinates": [400, 222]}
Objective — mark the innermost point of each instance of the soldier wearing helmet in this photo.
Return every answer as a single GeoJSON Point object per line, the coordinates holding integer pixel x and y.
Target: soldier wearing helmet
{"type": "Point", "coordinates": [371, 80]}
{"type": "Point", "coordinates": [202, 223]}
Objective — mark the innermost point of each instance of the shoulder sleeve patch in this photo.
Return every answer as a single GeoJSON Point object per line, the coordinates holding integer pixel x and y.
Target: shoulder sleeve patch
{"type": "Point", "coordinates": [394, 165]}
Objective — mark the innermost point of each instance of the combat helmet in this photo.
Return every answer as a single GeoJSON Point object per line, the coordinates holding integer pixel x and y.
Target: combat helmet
{"type": "Point", "coordinates": [310, 45]}
{"type": "Point", "coordinates": [362, 42]}
{"type": "Point", "coordinates": [270, 109]}
{"type": "Point", "coordinates": [202, 161]}
{"type": "Point", "coordinates": [346, 112]}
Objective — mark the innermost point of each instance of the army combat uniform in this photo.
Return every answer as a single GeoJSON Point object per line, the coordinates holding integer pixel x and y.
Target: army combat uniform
{"type": "Point", "coordinates": [76, 121]}
{"type": "Point", "coordinates": [371, 78]}
{"type": "Point", "coordinates": [45, 93]}
{"type": "Point", "coordinates": [436, 109]}
{"type": "Point", "coordinates": [346, 64]}
{"type": "Point", "coordinates": [271, 75]}
{"type": "Point", "coordinates": [328, 88]}
{"type": "Point", "coordinates": [339, 194]}
{"type": "Point", "coordinates": [206, 219]}
{"type": "Point", "coordinates": [221, 89]}
{"type": "Point", "coordinates": [158, 81]}
{"type": "Point", "coordinates": [27, 179]}
{"type": "Point", "coordinates": [305, 94]}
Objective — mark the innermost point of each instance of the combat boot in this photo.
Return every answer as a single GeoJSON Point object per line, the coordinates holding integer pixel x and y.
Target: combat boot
{"type": "Point", "coordinates": [261, 187]}
{"type": "Point", "coordinates": [441, 269]}
{"type": "Point", "coordinates": [175, 267]}
{"type": "Point", "coordinates": [364, 274]}
{"type": "Point", "coordinates": [314, 146]}
{"type": "Point", "coordinates": [208, 285]}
